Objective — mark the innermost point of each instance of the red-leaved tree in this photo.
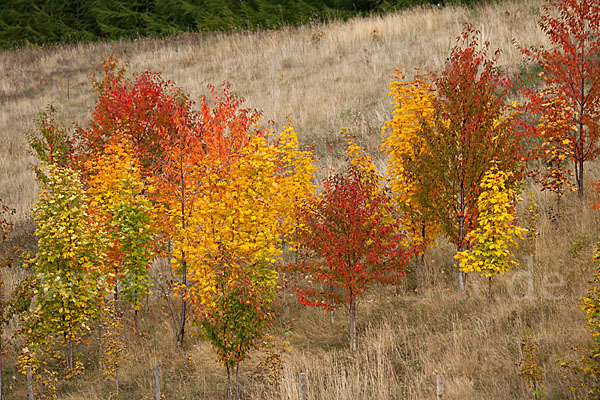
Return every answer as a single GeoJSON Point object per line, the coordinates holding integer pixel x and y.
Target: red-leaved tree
{"type": "Point", "coordinates": [352, 237]}
{"type": "Point", "coordinates": [146, 108]}
{"type": "Point", "coordinates": [470, 129]}
{"type": "Point", "coordinates": [571, 75]}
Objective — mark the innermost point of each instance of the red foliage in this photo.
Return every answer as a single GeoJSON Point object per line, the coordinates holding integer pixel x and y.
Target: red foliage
{"type": "Point", "coordinates": [146, 108]}
{"type": "Point", "coordinates": [571, 73]}
{"type": "Point", "coordinates": [472, 129]}
{"type": "Point", "coordinates": [353, 238]}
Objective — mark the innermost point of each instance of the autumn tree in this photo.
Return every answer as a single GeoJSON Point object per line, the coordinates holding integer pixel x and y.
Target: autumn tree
{"type": "Point", "coordinates": [248, 183]}
{"type": "Point", "coordinates": [491, 244]}
{"type": "Point", "coordinates": [145, 107]}
{"type": "Point", "coordinates": [353, 239]}
{"type": "Point", "coordinates": [50, 142]}
{"type": "Point", "coordinates": [471, 129]}
{"type": "Point", "coordinates": [554, 130]}
{"type": "Point", "coordinates": [117, 201]}
{"type": "Point", "coordinates": [237, 242]}
{"type": "Point", "coordinates": [412, 109]}
{"type": "Point", "coordinates": [69, 285]}
{"type": "Point", "coordinates": [295, 169]}
{"type": "Point", "coordinates": [156, 119]}
{"type": "Point", "coordinates": [219, 133]}
{"type": "Point", "coordinates": [571, 76]}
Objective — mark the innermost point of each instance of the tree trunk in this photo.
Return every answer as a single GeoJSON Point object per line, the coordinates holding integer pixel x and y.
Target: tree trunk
{"type": "Point", "coordinates": [557, 209]}
{"type": "Point", "coordinates": [69, 354]}
{"type": "Point", "coordinates": [181, 331]}
{"type": "Point", "coordinates": [229, 389]}
{"type": "Point", "coordinates": [237, 380]}
{"type": "Point", "coordinates": [421, 265]}
{"type": "Point", "coordinates": [580, 178]}
{"type": "Point", "coordinates": [332, 305]}
{"type": "Point", "coordinates": [420, 273]}
{"type": "Point", "coordinates": [352, 322]}
{"type": "Point", "coordinates": [116, 293]}
{"type": "Point", "coordinates": [580, 157]}
{"type": "Point", "coordinates": [462, 277]}
{"type": "Point", "coordinates": [490, 290]}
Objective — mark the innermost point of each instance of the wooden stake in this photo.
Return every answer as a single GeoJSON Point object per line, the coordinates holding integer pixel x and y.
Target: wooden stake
{"type": "Point", "coordinates": [439, 389]}
{"type": "Point", "coordinates": [156, 383]}
{"type": "Point", "coordinates": [302, 386]}
{"type": "Point", "coordinates": [29, 382]}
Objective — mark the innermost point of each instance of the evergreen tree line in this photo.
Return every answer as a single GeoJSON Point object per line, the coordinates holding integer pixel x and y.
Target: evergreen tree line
{"type": "Point", "coordinates": [44, 22]}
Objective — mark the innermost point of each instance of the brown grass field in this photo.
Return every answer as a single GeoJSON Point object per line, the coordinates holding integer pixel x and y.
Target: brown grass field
{"type": "Point", "coordinates": [325, 77]}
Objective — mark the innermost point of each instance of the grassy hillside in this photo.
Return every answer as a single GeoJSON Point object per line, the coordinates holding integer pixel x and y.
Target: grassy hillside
{"type": "Point", "coordinates": [324, 77]}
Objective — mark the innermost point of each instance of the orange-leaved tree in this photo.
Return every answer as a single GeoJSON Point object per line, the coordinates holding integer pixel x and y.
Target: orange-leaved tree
{"type": "Point", "coordinates": [412, 109]}
{"type": "Point", "coordinates": [156, 119]}
{"type": "Point", "coordinates": [571, 76]}
{"type": "Point", "coordinates": [352, 236]}
{"type": "Point", "coordinates": [174, 185]}
{"type": "Point", "coordinates": [554, 130]}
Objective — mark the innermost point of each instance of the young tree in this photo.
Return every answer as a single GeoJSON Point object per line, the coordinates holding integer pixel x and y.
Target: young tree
{"type": "Point", "coordinates": [191, 154]}
{"type": "Point", "coordinates": [50, 143]}
{"type": "Point", "coordinates": [571, 74]}
{"type": "Point", "coordinates": [352, 236]}
{"type": "Point", "coordinates": [237, 240]}
{"type": "Point", "coordinates": [412, 109]}
{"type": "Point", "coordinates": [294, 178]}
{"type": "Point", "coordinates": [156, 118]}
{"type": "Point", "coordinates": [492, 242]}
{"type": "Point", "coordinates": [69, 285]}
{"type": "Point", "coordinates": [553, 128]}
{"type": "Point", "coordinates": [248, 186]}
{"type": "Point", "coordinates": [115, 191]}
{"type": "Point", "coordinates": [470, 130]}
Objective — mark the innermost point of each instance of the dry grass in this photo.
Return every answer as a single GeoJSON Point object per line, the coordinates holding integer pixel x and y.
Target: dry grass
{"type": "Point", "coordinates": [323, 82]}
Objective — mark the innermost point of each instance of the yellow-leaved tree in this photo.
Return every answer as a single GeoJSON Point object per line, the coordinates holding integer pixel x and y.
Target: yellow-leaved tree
{"type": "Point", "coordinates": [492, 244]}
{"type": "Point", "coordinates": [248, 186]}
{"type": "Point", "coordinates": [412, 108]}
{"type": "Point", "coordinates": [295, 172]}
{"type": "Point", "coordinates": [69, 286]}
{"type": "Point", "coordinates": [117, 200]}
